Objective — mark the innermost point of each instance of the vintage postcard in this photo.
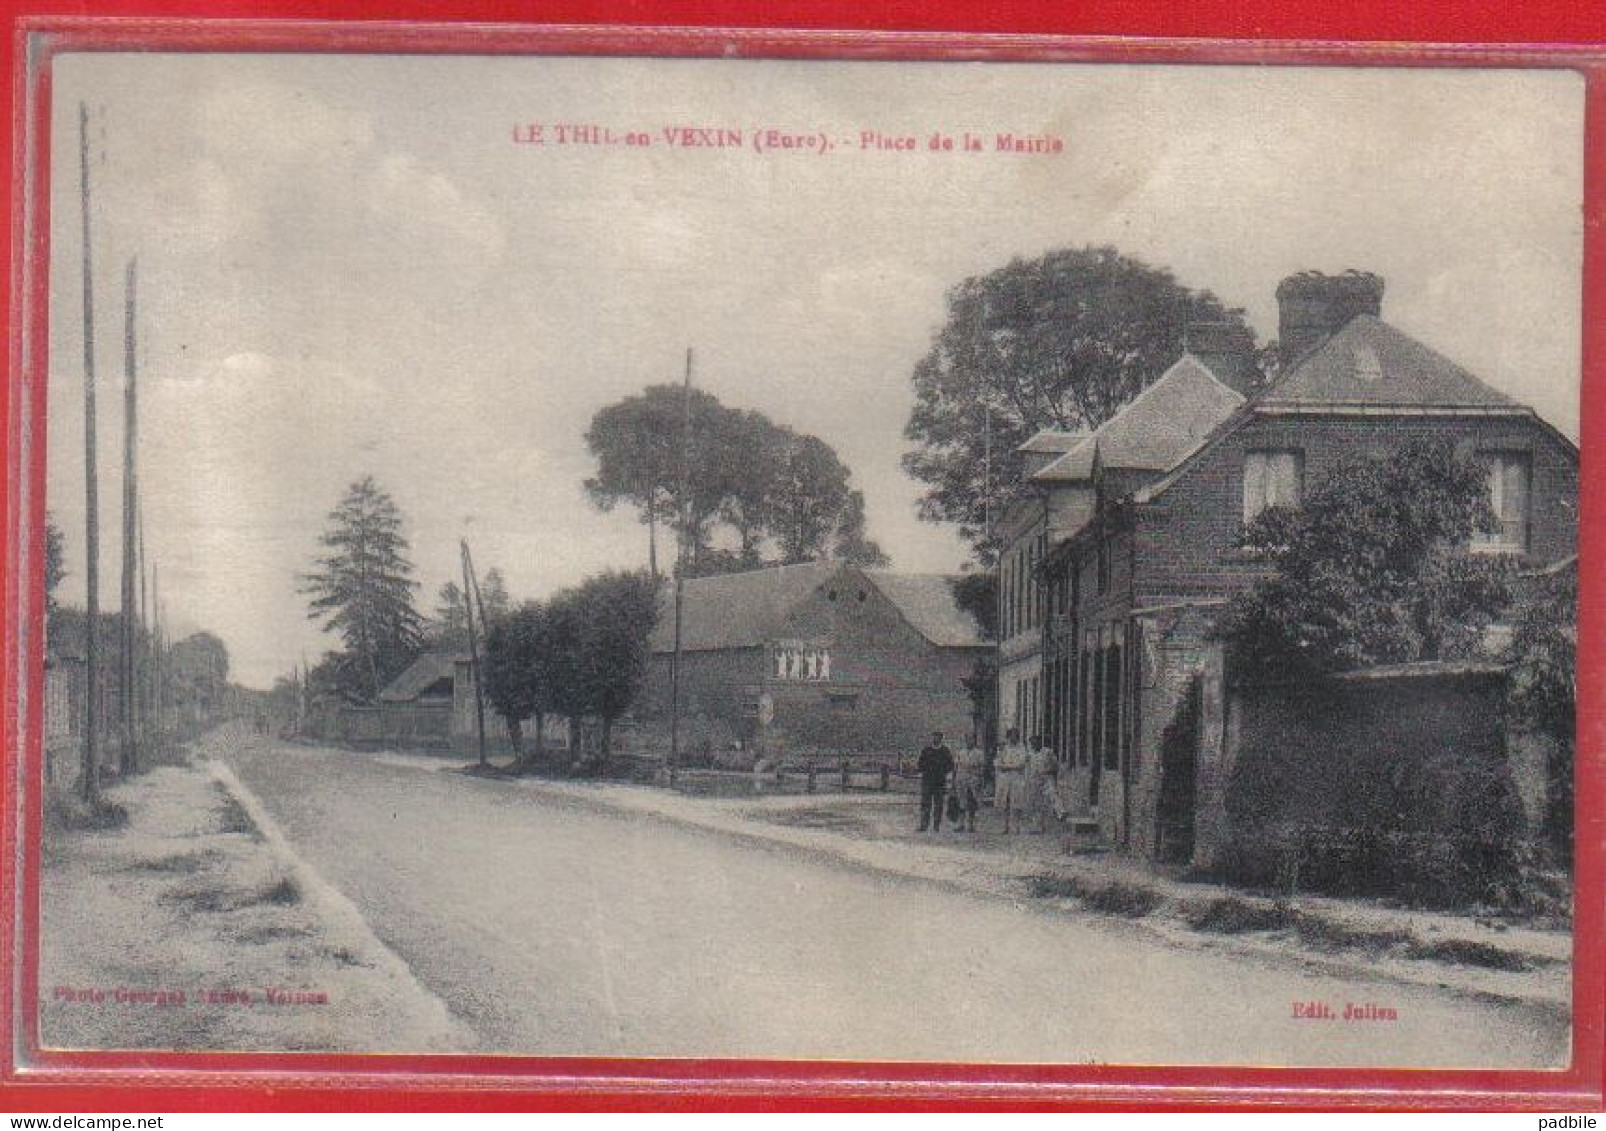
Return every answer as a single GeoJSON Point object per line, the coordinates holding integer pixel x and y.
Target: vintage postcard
{"type": "Point", "coordinates": [1065, 563]}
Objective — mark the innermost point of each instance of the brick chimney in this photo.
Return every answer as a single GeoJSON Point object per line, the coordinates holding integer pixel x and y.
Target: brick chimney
{"type": "Point", "coordinates": [1228, 349]}
{"type": "Point", "coordinates": [1312, 307]}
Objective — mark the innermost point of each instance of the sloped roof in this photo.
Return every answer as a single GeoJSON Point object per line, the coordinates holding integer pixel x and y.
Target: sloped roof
{"type": "Point", "coordinates": [747, 610]}
{"type": "Point", "coordinates": [926, 601]}
{"type": "Point", "coordinates": [1156, 428]}
{"type": "Point", "coordinates": [1369, 362]}
{"type": "Point", "coordinates": [421, 674]}
{"type": "Point", "coordinates": [735, 610]}
{"type": "Point", "coordinates": [1051, 441]}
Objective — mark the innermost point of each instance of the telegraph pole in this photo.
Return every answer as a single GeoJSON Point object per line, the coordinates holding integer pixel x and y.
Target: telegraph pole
{"type": "Point", "coordinates": [128, 760]}
{"type": "Point", "coordinates": [680, 569]}
{"type": "Point", "coordinates": [470, 589]}
{"type": "Point", "coordinates": [91, 751]}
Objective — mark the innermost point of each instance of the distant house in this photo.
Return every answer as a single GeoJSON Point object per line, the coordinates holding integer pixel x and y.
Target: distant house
{"type": "Point", "coordinates": [432, 703]}
{"type": "Point", "coordinates": [1114, 568]}
{"type": "Point", "coordinates": [817, 658]}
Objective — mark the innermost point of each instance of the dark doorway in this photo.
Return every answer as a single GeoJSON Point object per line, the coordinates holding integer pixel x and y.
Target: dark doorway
{"type": "Point", "coordinates": [1179, 746]}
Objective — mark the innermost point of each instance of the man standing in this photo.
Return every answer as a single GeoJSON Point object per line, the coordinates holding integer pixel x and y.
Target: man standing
{"type": "Point", "coordinates": [936, 764]}
{"type": "Point", "coordinates": [1009, 780]}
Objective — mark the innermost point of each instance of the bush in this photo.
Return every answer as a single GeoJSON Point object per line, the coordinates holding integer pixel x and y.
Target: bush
{"type": "Point", "coordinates": [1426, 870]}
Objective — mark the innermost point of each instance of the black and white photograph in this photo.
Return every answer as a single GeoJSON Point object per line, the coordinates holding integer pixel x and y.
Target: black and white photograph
{"type": "Point", "coordinates": [995, 563]}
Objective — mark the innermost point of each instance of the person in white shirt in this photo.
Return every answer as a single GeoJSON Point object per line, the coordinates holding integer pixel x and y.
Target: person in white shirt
{"type": "Point", "coordinates": [1009, 781]}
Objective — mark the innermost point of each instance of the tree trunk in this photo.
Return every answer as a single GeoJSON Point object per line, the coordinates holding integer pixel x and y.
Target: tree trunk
{"type": "Point", "coordinates": [607, 735]}
{"type": "Point", "coordinates": [540, 736]}
{"type": "Point", "coordinates": [652, 533]}
{"type": "Point", "coordinates": [515, 738]}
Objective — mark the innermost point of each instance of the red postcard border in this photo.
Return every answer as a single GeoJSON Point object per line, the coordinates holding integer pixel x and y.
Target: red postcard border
{"type": "Point", "coordinates": [200, 1081]}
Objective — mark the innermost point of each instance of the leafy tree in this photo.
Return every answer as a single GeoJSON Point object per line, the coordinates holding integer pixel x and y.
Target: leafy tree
{"type": "Point", "coordinates": [643, 459]}
{"type": "Point", "coordinates": [808, 497]}
{"type": "Point", "coordinates": [55, 562]}
{"type": "Point", "coordinates": [1061, 341]}
{"type": "Point", "coordinates": [853, 544]}
{"type": "Point", "coordinates": [1373, 568]}
{"type": "Point", "coordinates": [448, 629]}
{"type": "Point", "coordinates": [977, 594]}
{"type": "Point", "coordinates": [1544, 689]}
{"type": "Point", "coordinates": [619, 612]}
{"type": "Point", "coordinates": [494, 596]}
{"type": "Point", "coordinates": [362, 589]}
{"type": "Point", "coordinates": [760, 482]}
{"type": "Point", "coordinates": [518, 672]}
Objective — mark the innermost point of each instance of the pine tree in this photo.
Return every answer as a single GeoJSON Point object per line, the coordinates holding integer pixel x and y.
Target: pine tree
{"type": "Point", "coordinates": [363, 590]}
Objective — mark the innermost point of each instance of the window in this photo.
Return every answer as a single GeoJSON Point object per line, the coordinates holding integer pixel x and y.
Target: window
{"type": "Point", "coordinates": [1272, 479]}
{"type": "Point", "coordinates": [1508, 496]}
{"type": "Point", "coordinates": [1103, 564]}
{"type": "Point", "coordinates": [811, 665]}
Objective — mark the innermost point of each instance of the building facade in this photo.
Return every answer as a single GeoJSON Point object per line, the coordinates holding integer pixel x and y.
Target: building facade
{"type": "Point", "coordinates": [819, 659]}
{"type": "Point", "coordinates": [1130, 595]}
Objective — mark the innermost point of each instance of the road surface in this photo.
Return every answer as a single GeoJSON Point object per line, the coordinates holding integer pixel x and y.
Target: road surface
{"type": "Point", "coordinates": [556, 928]}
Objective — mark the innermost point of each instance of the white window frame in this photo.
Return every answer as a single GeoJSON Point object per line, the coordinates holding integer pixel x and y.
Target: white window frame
{"type": "Point", "coordinates": [1259, 465]}
{"type": "Point", "coordinates": [1513, 535]}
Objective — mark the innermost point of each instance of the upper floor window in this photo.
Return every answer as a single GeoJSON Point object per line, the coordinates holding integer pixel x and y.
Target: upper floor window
{"type": "Point", "coordinates": [1508, 496]}
{"type": "Point", "coordinates": [813, 664]}
{"type": "Point", "coordinates": [1272, 479]}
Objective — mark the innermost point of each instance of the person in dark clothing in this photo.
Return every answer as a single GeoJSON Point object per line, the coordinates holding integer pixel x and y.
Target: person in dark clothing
{"type": "Point", "coordinates": [936, 765]}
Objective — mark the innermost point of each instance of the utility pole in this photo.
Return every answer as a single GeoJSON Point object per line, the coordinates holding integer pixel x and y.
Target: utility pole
{"type": "Point", "coordinates": [91, 752]}
{"type": "Point", "coordinates": [128, 761]}
{"type": "Point", "coordinates": [680, 569]}
{"type": "Point", "coordinates": [470, 590]}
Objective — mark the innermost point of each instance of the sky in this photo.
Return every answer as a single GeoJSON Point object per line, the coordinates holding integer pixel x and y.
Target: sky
{"type": "Point", "coordinates": [348, 266]}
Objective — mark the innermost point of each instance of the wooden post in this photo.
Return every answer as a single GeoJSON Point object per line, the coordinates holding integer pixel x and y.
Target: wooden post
{"type": "Point", "coordinates": [680, 569]}
{"type": "Point", "coordinates": [845, 777]}
{"type": "Point", "coordinates": [128, 709]}
{"type": "Point", "coordinates": [91, 752]}
{"type": "Point", "coordinates": [474, 651]}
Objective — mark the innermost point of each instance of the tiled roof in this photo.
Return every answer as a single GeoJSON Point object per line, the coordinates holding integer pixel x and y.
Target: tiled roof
{"type": "Point", "coordinates": [423, 673]}
{"type": "Point", "coordinates": [748, 610]}
{"type": "Point", "coordinates": [1369, 362]}
{"type": "Point", "coordinates": [1156, 428]}
{"type": "Point", "coordinates": [1051, 441]}
{"type": "Point", "coordinates": [736, 610]}
{"type": "Point", "coordinates": [926, 601]}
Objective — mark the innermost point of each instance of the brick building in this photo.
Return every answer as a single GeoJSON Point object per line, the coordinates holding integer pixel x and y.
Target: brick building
{"type": "Point", "coordinates": [819, 658]}
{"type": "Point", "coordinates": [1113, 571]}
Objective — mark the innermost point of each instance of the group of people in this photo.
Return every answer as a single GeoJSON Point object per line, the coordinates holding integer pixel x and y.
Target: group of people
{"type": "Point", "coordinates": [1025, 784]}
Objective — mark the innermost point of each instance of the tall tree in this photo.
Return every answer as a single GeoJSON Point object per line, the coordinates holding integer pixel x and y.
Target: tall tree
{"type": "Point", "coordinates": [1061, 341]}
{"type": "Point", "coordinates": [853, 543]}
{"type": "Point", "coordinates": [363, 588]}
{"type": "Point", "coordinates": [808, 497]}
{"type": "Point", "coordinates": [518, 675]}
{"type": "Point", "coordinates": [643, 459]}
{"type": "Point", "coordinates": [1543, 693]}
{"type": "Point", "coordinates": [448, 628]}
{"type": "Point", "coordinates": [618, 613]}
{"type": "Point", "coordinates": [1372, 568]}
{"type": "Point", "coordinates": [55, 562]}
{"type": "Point", "coordinates": [494, 596]}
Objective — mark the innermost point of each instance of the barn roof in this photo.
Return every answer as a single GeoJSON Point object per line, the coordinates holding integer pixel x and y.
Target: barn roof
{"type": "Point", "coordinates": [749, 609]}
{"type": "Point", "coordinates": [1369, 362]}
{"type": "Point", "coordinates": [423, 673]}
{"type": "Point", "coordinates": [926, 601]}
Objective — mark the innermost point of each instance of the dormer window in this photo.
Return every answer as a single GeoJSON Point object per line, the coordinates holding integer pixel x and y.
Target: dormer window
{"type": "Point", "coordinates": [1508, 497]}
{"type": "Point", "coordinates": [1273, 478]}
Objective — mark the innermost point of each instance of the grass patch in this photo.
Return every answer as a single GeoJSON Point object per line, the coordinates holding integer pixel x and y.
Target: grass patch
{"type": "Point", "coordinates": [1232, 916]}
{"type": "Point", "coordinates": [343, 956]}
{"type": "Point", "coordinates": [284, 894]}
{"type": "Point", "coordinates": [1324, 934]}
{"type": "Point", "coordinates": [232, 818]}
{"type": "Point", "coordinates": [1127, 900]}
{"type": "Point", "coordinates": [271, 934]}
{"type": "Point", "coordinates": [181, 864]}
{"type": "Point", "coordinates": [1465, 952]}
